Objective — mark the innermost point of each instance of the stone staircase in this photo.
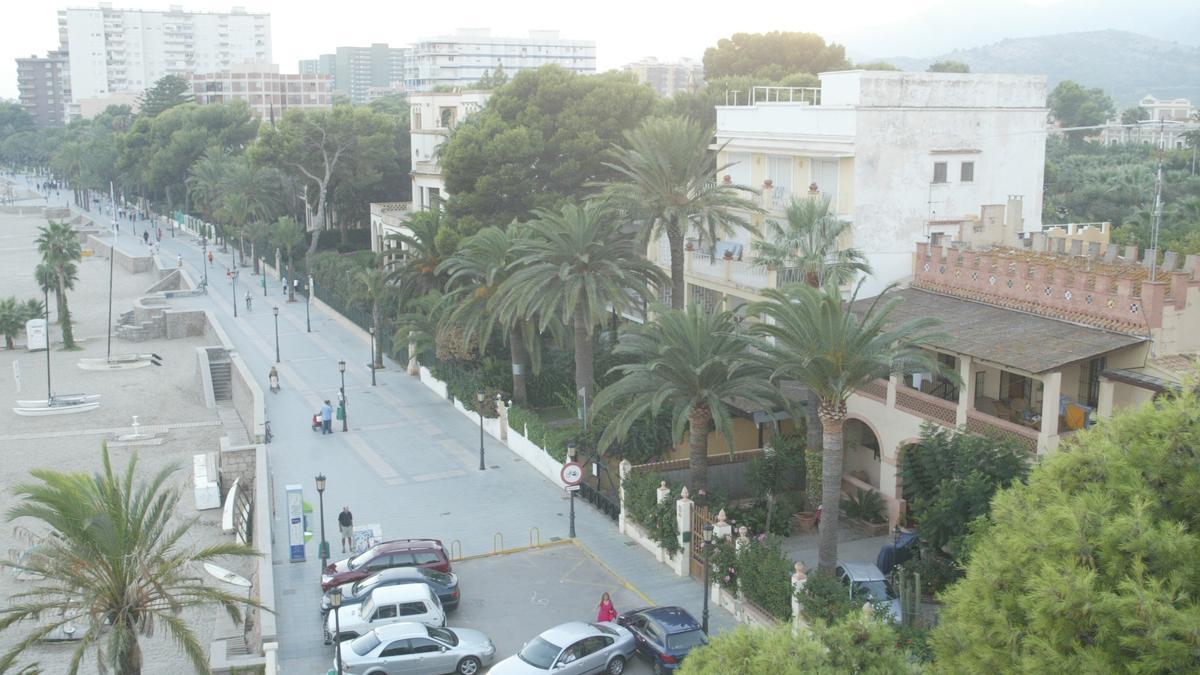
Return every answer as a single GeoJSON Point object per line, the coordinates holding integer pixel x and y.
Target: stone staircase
{"type": "Point", "coordinates": [222, 376]}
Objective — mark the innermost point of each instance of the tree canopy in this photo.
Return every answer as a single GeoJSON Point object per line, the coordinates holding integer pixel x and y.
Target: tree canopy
{"type": "Point", "coordinates": [772, 55]}
{"type": "Point", "coordinates": [168, 92]}
{"type": "Point", "coordinates": [1091, 566]}
{"type": "Point", "coordinates": [949, 67]}
{"type": "Point", "coordinates": [13, 119]}
{"type": "Point", "coordinates": [1075, 106]}
{"type": "Point", "coordinates": [539, 142]}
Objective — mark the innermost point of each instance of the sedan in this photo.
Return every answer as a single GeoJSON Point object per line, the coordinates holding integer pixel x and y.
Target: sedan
{"type": "Point", "coordinates": [574, 648]}
{"type": "Point", "coordinates": [444, 585]}
{"type": "Point", "coordinates": [664, 635]}
{"type": "Point", "coordinates": [417, 649]}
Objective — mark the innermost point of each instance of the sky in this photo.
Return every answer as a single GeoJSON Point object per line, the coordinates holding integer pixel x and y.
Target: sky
{"type": "Point", "coordinates": [626, 30]}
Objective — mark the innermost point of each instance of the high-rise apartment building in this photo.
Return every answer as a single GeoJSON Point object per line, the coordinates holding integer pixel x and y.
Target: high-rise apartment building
{"type": "Point", "coordinates": [668, 78]}
{"type": "Point", "coordinates": [268, 92]}
{"type": "Point", "coordinates": [43, 88]}
{"type": "Point", "coordinates": [460, 60]}
{"type": "Point", "coordinates": [358, 70]}
{"type": "Point", "coordinates": [113, 50]}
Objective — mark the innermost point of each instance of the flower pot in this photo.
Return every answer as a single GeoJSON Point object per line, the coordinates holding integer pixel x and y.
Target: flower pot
{"type": "Point", "coordinates": [806, 521]}
{"type": "Point", "coordinates": [728, 255]}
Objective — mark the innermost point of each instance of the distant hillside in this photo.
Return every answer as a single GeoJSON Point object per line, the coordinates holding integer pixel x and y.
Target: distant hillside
{"type": "Point", "coordinates": [1125, 65]}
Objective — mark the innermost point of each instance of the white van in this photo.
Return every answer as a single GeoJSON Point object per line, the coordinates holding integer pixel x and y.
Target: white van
{"type": "Point", "coordinates": [388, 604]}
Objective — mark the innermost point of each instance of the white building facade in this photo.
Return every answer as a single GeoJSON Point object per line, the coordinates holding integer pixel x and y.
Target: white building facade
{"type": "Point", "coordinates": [1165, 126]}
{"type": "Point", "coordinates": [112, 50]}
{"type": "Point", "coordinates": [668, 78]}
{"type": "Point", "coordinates": [432, 115]}
{"type": "Point", "coordinates": [901, 156]}
{"type": "Point", "coordinates": [268, 92]}
{"type": "Point", "coordinates": [460, 60]}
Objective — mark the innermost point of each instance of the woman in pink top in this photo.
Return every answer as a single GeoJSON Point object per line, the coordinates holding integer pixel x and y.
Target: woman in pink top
{"type": "Point", "coordinates": [607, 612]}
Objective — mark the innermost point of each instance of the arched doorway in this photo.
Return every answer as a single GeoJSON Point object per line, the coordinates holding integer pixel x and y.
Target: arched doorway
{"type": "Point", "coordinates": [861, 452]}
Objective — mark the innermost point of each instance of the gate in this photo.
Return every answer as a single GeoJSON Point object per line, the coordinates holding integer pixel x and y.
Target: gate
{"type": "Point", "coordinates": [700, 517]}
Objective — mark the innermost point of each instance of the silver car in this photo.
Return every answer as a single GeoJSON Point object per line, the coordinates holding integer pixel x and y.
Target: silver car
{"type": "Point", "coordinates": [417, 649]}
{"type": "Point", "coordinates": [573, 648]}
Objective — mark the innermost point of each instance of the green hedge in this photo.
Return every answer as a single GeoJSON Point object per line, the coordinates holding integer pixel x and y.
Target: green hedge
{"type": "Point", "coordinates": [642, 507]}
{"type": "Point", "coordinates": [764, 576]}
{"type": "Point", "coordinates": [551, 439]}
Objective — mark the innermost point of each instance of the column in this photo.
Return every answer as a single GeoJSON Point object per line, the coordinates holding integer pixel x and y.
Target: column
{"type": "Point", "coordinates": [966, 391]}
{"type": "Point", "coordinates": [1104, 406]}
{"type": "Point", "coordinates": [683, 518]}
{"type": "Point", "coordinates": [623, 470]}
{"type": "Point", "coordinates": [1051, 389]}
{"type": "Point", "coordinates": [893, 382]}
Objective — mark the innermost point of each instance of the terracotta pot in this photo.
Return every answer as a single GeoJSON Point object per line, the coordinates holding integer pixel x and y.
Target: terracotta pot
{"type": "Point", "coordinates": [806, 521]}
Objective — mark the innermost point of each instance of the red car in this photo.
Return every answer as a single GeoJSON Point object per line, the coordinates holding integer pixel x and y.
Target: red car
{"type": "Point", "coordinates": [426, 553]}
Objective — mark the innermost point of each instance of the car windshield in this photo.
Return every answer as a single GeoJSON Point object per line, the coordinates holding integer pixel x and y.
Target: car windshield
{"type": "Point", "coordinates": [363, 585]}
{"type": "Point", "coordinates": [539, 653]}
{"type": "Point", "coordinates": [362, 558]}
{"type": "Point", "coordinates": [368, 607]}
{"type": "Point", "coordinates": [875, 590]}
{"type": "Point", "coordinates": [438, 577]}
{"type": "Point", "coordinates": [604, 629]}
{"type": "Point", "coordinates": [686, 640]}
{"type": "Point", "coordinates": [444, 635]}
{"type": "Point", "coordinates": [363, 645]}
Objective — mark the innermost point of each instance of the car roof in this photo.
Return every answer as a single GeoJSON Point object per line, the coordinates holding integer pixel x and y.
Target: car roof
{"type": "Point", "coordinates": [862, 571]}
{"type": "Point", "coordinates": [394, 573]}
{"type": "Point", "coordinates": [401, 593]}
{"type": "Point", "coordinates": [399, 631]}
{"type": "Point", "coordinates": [673, 619]}
{"type": "Point", "coordinates": [566, 633]}
{"type": "Point", "coordinates": [407, 544]}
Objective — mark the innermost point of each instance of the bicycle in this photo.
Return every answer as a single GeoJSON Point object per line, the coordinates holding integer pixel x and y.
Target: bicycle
{"type": "Point", "coordinates": [248, 299]}
{"type": "Point", "coordinates": [267, 435]}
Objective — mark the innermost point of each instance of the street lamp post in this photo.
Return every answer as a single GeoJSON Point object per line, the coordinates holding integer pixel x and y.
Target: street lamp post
{"type": "Point", "coordinates": [479, 398]}
{"type": "Point", "coordinates": [234, 276]}
{"type": "Point", "coordinates": [307, 321]}
{"type": "Point", "coordinates": [371, 330]}
{"type": "Point", "coordinates": [342, 393]}
{"type": "Point", "coordinates": [324, 547]}
{"type": "Point", "coordinates": [204, 259]}
{"type": "Point", "coordinates": [263, 264]}
{"type": "Point", "coordinates": [335, 601]}
{"type": "Point", "coordinates": [275, 311]}
{"type": "Point", "coordinates": [708, 535]}
{"type": "Point", "coordinates": [571, 458]}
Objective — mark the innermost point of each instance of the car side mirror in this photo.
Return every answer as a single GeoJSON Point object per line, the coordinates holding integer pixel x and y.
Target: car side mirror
{"type": "Point", "coordinates": [445, 649]}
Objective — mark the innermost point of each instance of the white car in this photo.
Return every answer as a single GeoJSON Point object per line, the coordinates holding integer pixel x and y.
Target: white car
{"type": "Point", "coordinates": [386, 605]}
{"type": "Point", "coordinates": [574, 648]}
{"type": "Point", "coordinates": [417, 649]}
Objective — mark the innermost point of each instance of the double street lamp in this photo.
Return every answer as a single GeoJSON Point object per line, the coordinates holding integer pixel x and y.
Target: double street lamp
{"type": "Point", "coordinates": [342, 394]}
{"type": "Point", "coordinates": [708, 540]}
{"type": "Point", "coordinates": [275, 311]}
{"type": "Point", "coordinates": [335, 601]}
{"type": "Point", "coordinates": [479, 398]}
{"type": "Point", "coordinates": [324, 547]}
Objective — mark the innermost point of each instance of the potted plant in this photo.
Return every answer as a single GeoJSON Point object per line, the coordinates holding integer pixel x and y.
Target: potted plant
{"type": "Point", "coordinates": [690, 246]}
{"type": "Point", "coordinates": [868, 509]}
{"type": "Point", "coordinates": [809, 517]}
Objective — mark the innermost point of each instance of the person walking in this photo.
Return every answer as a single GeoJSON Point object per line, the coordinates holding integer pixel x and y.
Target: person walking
{"type": "Point", "coordinates": [606, 611]}
{"type": "Point", "coordinates": [326, 418]}
{"type": "Point", "coordinates": [146, 238]}
{"type": "Point", "coordinates": [284, 285]}
{"type": "Point", "coordinates": [249, 297]}
{"type": "Point", "coordinates": [346, 525]}
{"type": "Point", "coordinates": [210, 258]}
{"type": "Point", "coordinates": [273, 378]}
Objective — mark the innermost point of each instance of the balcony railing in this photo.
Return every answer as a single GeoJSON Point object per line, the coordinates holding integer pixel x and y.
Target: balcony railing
{"type": "Point", "coordinates": [928, 407]}
{"type": "Point", "coordinates": [987, 425]}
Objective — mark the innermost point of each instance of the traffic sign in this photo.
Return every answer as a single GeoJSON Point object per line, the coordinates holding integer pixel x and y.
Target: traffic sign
{"type": "Point", "coordinates": [572, 473]}
{"type": "Point", "coordinates": [572, 488]}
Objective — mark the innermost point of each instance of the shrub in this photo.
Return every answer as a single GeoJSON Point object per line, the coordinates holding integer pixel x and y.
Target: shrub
{"type": "Point", "coordinates": [642, 507]}
{"type": "Point", "coordinates": [754, 516]}
{"type": "Point", "coordinates": [723, 563]}
{"type": "Point", "coordinates": [865, 505]}
{"type": "Point", "coordinates": [824, 597]}
{"type": "Point", "coordinates": [764, 576]}
{"type": "Point", "coordinates": [551, 439]}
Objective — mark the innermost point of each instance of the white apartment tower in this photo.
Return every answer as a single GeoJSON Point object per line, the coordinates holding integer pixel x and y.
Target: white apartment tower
{"type": "Point", "coordinates": [113, 50]}
{"type": "Point", "coordinates": [460, 60]}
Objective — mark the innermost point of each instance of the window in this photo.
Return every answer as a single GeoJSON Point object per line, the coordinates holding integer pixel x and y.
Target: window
{"type": "Point", "coordinates": [402, 560]}
{"type": "Point", "coordinates": [1089, 380]}
{"type": "Point", "coordinates": [594, 644]}
{"type": "Point", "coordinates": [426, 558]}
{"type": "Point", "coordinates": [424, 646]}
{"type": "Point", "coordinates": [413, 609]}
{"type": "Point", "coordinates": [825, 176]}
{"type": "Point", "coordinates": [385, 612]}
{"type": "Point", "coordinates": [939, 172]}
{"type": "Point", "coordinates": [966, 172]}
{"type": "Point", "coordinates": [397, 648]}
{"type": "Point", "coordinates": [381, 563]}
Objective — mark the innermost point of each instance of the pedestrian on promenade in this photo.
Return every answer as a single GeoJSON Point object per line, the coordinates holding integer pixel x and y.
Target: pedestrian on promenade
{"type": "Point", "coordinates": [179, 261]}
{"type": "Point", "coordinates": [326, 418]}
{"type": "Point", "coordinates": [160, 234]}
{"type": "Point", "coordinates": [146, 238]}
{"type": "Point", "coordinates": [210, 258]}
{"type": "Point", "coordinates": [346, 524]}
{"type": "Point", "coordinates": [273, 378]}
{"type": "Point", "coordinates": [284, 285]}
{"type": "Point", "coordinates": [606, 611]}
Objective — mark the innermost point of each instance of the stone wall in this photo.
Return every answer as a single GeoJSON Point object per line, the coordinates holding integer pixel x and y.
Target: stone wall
{"type": "Point", "coordinates": [247, 398]}
{"type": "Point", "coordinates": [131, 264]}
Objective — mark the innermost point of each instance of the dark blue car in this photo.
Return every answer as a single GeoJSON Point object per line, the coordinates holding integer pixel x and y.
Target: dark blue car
{"type": "Point", "coordinates": [664, 635]}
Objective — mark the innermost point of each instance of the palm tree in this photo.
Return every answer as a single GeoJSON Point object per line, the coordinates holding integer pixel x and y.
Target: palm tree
{"type": "Point", "coordinates": [206, 183]}
{"type": "Point", "coordinates": [14, 314]}
{"type": "Point", "coordinates": [288, 235]}
{"type": "Point", "coordinates": [112, 563]}
{"type": "Point", "coordinates": [806, 245]}
{"type": "Point", "coordinates": [670, 181]}
{"type": "Point", "coordinates": [373, 287]}
{"type": "Point", "coordinates": [817, 339]}
{"type": "Point", "coordinates": [59, 245]}
{"type": "Point", "coordinates": [572, 267]}
{"type": "Point", "coordinates": [415, 271]}
{"type": "Point", "coordinates": [691, 363]}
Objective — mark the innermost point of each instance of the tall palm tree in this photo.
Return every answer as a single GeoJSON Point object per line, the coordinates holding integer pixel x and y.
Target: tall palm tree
{"type": "Point", "coordinates": [288, 235]}
{"type": "Point", "coordinates": [475, 272]}
{"type": "Point", "coordinates": [691, 363]}
{"type": "Point", "coordinates": [572, 267]}
{"type": "Point", "coordinates": [59, 245]}
{"type": "Point", "coordinates": [415, 271]}
{"type": "Point", "coordinates": [206, 182]}
{"type": "Point", "coordinates": [112, 563]}
{"type": "Point", "coordinates": [670, 182]}
{"type": "Point", "coordinates": [373, 286]}
{"type": "Point", "coordinates": [806, 245]}
{"type": "Point", "coordinates": [821, 341]}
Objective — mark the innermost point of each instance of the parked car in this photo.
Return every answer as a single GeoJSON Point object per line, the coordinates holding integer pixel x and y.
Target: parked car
{"type": "Point", "coordinates": [867, 584]}
{"type": "Point", "coordinates": [387, 605]}
{"type": "Point", "coordinates": [663, 635]}
{"type": "Point", "coordinates": [426, 553]}
{"type": "Point", "coordinates": [443, 584]}
{"type": "Point", "coordinates": [572, 648]}
{"type": "Point", "coordinates": [417, 649]}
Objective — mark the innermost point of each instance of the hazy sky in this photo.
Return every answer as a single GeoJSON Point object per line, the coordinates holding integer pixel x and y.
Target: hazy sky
{"type": "Point", "coordinates": [625, 30]}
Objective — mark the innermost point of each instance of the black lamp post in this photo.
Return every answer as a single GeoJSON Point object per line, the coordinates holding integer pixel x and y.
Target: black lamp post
{"type": "Point", "coordinates": [335, 601]}
{"type": "Point", "coordinates": [371, 330]}
{"type": "Point", "coordinates": [307, 320]}
{"type": "Point", "coordinates": [708, 535]}
{"type": "Point", "coordinates": [479, 397]}
{"type": "Point", "coordinates": [324, 552]}
{"type": "Point", "coordinates": [234, 276]}
{"type": "Point", "coordinates": [275, 311]}
{"type": "Point", "coordinates": [571, 450]}
{"type": "Point", "coordinates": [204, 260]}
{"type": "Point", "coordinates": [342, 370]}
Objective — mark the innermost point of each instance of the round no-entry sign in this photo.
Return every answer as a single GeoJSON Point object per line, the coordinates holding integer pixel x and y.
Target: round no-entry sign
{"type": "Point", "coordinates": [571, 473]}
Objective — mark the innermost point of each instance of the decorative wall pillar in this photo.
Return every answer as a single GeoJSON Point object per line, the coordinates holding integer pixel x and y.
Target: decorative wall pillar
{"type": "Point", "coordinates": [1051, 390]}
{"type": "Point", "coordinates": [966, 391]}
{"type": "Point", "coordinates": [1104, 405]}
{"type": "Point", "coordinates": [683, 517]}
{"type": "Point", "coordinates": [623, 470]}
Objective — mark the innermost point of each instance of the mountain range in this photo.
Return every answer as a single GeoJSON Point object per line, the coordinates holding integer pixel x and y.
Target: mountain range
{"type": "Point", "coordinates": [1127, 66]}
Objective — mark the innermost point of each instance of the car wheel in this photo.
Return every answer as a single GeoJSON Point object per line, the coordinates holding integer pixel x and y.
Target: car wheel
{"type": "Point", "coordinates": [659, 668]}
{"type": "Point", "coordinates": [616, 666]}
{"type": "Point", "coordinates": [468, 666]}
